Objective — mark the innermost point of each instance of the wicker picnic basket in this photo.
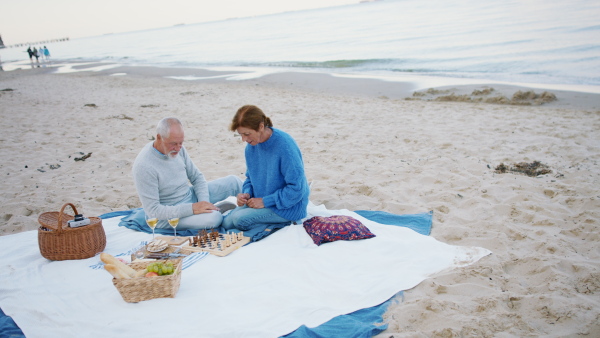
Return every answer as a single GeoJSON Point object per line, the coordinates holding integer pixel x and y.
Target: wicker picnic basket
{"type": "Point", "coordinates": [60, 242]}
{"type": "Point", "coordinates": [138, 289]}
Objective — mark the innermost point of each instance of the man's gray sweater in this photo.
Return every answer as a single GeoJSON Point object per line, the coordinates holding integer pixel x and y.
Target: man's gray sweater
{"type": "Point", "coordinates": [163, 182]}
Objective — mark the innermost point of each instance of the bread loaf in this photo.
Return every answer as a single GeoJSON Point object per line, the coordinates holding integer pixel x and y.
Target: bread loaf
{"type": "Point", "coordinates": [110, 259]}
{"type": "Point", "coordinates": [116, 272]}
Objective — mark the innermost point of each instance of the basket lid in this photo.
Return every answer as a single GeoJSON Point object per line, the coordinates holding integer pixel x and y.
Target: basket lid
{"type": "Point", "coordinates": [52, 219]}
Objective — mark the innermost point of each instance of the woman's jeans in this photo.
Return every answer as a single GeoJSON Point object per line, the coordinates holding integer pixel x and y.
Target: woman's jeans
{"type": "Point", "coordinates": [245, 218]}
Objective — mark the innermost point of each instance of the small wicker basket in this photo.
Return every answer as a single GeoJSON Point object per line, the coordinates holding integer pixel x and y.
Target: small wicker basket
{"type": "Point", "coordinates": [59, 242]}
{"type": "Point", "coordinates": [138, 289]}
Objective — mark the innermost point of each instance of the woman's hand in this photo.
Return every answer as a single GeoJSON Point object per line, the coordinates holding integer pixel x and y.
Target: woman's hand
{"type": "Point", "coordinates": [256, 203]}
{"type": "Point", "coordinates": [242, 199]}
{"type": "Point", "coordinates": [203, 207]}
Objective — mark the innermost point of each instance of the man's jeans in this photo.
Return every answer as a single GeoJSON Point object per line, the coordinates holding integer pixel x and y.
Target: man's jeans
{"type": "Point", "coordinates": [218, 190]}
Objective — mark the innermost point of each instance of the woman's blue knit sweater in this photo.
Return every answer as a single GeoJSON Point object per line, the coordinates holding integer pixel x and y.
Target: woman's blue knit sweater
{"type": "Point", "coordinates": [275, 173]}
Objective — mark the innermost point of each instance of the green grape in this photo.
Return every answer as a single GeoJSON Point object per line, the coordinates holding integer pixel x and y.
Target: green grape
{"type": "Point", "coordinates": [161, 268]}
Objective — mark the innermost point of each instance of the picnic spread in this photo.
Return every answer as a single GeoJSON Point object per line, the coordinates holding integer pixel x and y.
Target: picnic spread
{"type": "Point", "coordinates": [298, 278]}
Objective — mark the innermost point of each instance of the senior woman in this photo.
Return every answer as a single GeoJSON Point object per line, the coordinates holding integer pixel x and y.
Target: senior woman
{"type": "Point", "coordinates": [275, 190]}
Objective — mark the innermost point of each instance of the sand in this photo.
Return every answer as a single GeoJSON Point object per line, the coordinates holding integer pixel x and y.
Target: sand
{"type": "Point", "coordinates": [372, 149]}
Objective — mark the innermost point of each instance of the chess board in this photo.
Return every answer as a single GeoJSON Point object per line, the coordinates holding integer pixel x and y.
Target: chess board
{"type": "Point", "coordinates": [215, 243]}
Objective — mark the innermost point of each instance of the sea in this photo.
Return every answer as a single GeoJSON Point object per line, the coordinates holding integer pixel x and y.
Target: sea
{"type": "Point", "coordinates": [551, 42]}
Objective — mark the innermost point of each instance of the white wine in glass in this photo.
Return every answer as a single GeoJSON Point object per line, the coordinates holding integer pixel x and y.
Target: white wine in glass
{"type": "Point", "coordinates": [173, 222]}
{"type": "Point", "coordinates": [151, 221]}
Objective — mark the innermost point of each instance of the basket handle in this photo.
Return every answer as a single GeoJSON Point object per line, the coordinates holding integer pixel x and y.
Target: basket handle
{"type": "Point", "coordinates": [60, 215]}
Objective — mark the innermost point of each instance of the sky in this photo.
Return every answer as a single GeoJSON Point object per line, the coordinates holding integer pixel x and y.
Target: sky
{"type": "Point", "coordinates": [23, 21]}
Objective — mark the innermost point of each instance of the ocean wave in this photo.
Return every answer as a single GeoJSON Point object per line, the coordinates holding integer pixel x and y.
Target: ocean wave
{"type": "Point", "coordinates": [328, 64]}
{"type": "Point", "coordinates": [587, 29]}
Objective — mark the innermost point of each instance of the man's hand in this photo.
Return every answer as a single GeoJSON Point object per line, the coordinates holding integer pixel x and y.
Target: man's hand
{"type": "Point", "coordinates": [256, 203]}
{"type": "Point", "coordinates": [242, 199]}
{"type": "Point", "coordinates": [203, 207]}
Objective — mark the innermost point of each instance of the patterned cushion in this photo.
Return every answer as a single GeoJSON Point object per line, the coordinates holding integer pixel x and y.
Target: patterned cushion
{"type": "Point", "coordinates": [335, 228]}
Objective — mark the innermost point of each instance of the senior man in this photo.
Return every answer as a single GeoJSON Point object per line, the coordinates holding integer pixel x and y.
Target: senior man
{"type": "Point", "coordinates": [170, 185]}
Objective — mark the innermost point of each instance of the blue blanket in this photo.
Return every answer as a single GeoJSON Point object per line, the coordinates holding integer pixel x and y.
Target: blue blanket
{"type": "Point", "coordinates": [361, 323]}
{"type": "Point", "coordinates": [421, 223]}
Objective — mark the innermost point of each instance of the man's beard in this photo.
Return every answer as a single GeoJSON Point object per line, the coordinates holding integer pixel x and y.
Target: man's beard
{"type": "Point", "coordinates": [173, 154]}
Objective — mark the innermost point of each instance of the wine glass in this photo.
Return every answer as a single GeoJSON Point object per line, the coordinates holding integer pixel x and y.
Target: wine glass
{"type": "Point", "coordinates": [140, 253]}
{"type": "Point", "coordinates": [173, 222]}
{"type": "Point", "coordinates": [151, 221]}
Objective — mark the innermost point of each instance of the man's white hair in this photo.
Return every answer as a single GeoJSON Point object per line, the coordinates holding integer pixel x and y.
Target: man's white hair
{"type": "Point", "coordinates": [164, 126]}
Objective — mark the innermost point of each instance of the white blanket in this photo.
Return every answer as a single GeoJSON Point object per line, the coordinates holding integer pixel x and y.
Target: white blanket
{"type": "Point", "coordinates": [266, 289]}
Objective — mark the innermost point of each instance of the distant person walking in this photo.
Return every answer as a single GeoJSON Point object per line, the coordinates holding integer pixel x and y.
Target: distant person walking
{"type": "Point", "coordinates": [30, 52]}
{"type": "Point", "coordinates": [46, 53]}
{"type": "Point", "coordinates": [36, 54]}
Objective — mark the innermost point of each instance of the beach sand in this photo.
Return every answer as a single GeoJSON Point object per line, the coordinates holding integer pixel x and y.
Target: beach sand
{"type": "Point", "coordinates": [365, 146]}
